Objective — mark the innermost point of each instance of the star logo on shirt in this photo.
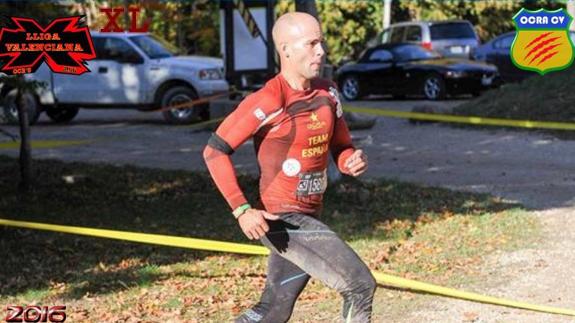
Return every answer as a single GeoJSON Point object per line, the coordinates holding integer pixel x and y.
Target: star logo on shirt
{"type": "Point", "coordinates": [315, 123]}
{"type": "Point", "coordinates": [314, 117]}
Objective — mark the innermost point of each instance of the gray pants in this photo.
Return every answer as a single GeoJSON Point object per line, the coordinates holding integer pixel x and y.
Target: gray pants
{"type": "Point", "coordinates": [303, 247]}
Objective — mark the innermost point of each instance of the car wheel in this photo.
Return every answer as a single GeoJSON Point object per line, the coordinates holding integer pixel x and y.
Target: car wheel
{"type": "Point", "coordinates": [350, 88]}
{"type": "Point", "coordinates": [433, 87]}
{"type": "Point", "coordinates": [62, 115]}
{"type": "Point", "coordinates": [181, 95]}
{"type": "Point", "coordinates": [11, 108]}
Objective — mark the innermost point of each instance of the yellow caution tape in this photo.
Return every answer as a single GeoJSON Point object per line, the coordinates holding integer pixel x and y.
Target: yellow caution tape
{"type": "Point", "coordinates": [213, 245]}
{"type": "Point", "coordinates": [157, 239]}
{"type": "Point", "coordinates": [463, 119]}
{"type": "Point", "coordinates": [450, 292]}
{"type": "Point", "coordinates": [36, 144]}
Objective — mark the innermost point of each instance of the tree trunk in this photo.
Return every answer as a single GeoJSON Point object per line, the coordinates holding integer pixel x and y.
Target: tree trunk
{"type": "Point", "coordinates": [165, 25]}
{"type": "Point", "coordinates": [127, 21]}
{"type": "Point", "coordinates": [180, 33]}
{"type": "Point", "coordinates": [25, 147]}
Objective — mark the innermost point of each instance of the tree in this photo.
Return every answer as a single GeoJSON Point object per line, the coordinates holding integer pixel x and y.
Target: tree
{"type": "Point", "coordinates": [490, 17]}
{"type": "Point", "coordinates": [347, 25]}
{"type": "Point", "coordinates": [43, 13]}
{"type": "Point", "coordinates": [23, 88]}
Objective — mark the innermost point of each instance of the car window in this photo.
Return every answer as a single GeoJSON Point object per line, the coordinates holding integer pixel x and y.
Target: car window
{"type": "Point", "coordinates": [99, 47]}
{"type": "Point", "coordinates": [452, 30]}
{"type": "Point", "coordinates": [151, 46]}
{"type": "Point", "coordinates": [381, 38]}
{"type": "Point", "coordinates": [504, 43]}
{"type": "Point", "coordinates": [397, 34]}
{"type": "Point", "coordinates": [413, 53]}
{"type": "Point", "coordinates": [111, 48]}
{"type": "Point", "coordinates": [413, 33]}
{"type": "Point", "coordinates": [380, 55]}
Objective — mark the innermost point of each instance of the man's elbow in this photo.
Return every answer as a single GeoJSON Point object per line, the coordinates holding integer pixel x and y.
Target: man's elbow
{"type": "Point", "coordinates": [208, 152]}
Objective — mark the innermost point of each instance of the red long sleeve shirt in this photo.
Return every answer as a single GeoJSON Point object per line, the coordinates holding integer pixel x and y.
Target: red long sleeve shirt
{"type": "Point", "coordinates": [292, 132]}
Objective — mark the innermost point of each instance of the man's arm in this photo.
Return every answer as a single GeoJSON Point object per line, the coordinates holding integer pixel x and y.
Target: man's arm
{"type": "Point", "coordinates": [222, 170]}
{"type": "Point", "coordinates": [238, 127]}
{"type": "Point", "coordinates": [349, 160]}
{"type": "Point", "coordinates": [341, 145]}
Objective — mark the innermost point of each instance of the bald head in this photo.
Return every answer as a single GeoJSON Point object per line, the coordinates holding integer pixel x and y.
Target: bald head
{"type": "Point", "coordinates": [291, 26]}
{"type": "Point", "coordinates": [299, 42]}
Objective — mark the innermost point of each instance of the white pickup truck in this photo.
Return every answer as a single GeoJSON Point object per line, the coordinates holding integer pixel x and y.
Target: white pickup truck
{"type": "Point", "coordinates": [131, 70]}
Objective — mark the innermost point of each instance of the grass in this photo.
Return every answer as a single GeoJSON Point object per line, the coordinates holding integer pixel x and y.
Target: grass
{"type": "Point", "coordinates": [147, 274]}
{"type": "Point", "coordinates": [426, 233]}
{"type": "Point", "coordinates": [539, 98]}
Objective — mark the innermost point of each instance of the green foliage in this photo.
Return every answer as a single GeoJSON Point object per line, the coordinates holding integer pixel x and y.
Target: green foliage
{"type": "Point", "coordinates": [490, 17]}
{"type": "Point", "coordinates": [44, 11]}
{"type": "Point", "coordinates": [192, 26]}
{"type": "Point", "coordinates": [348, 25]}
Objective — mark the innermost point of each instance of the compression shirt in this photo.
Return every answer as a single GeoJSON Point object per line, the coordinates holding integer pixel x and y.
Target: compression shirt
{"type": "Point", "coordinates": [292, 131]}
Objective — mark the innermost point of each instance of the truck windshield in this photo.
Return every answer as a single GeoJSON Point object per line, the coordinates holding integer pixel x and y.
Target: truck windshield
{"type": "Point", "coordinates": [153, 47]}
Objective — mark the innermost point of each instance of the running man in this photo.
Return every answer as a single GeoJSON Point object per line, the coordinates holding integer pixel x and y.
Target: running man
{"type": "Point", "coordinates": [295, 120]}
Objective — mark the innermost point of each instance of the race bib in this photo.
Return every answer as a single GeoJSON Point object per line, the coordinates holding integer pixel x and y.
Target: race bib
{"type": "Point", "coordinates": [312, 183]}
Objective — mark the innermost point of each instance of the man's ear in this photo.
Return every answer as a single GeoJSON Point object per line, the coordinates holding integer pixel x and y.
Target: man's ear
{"type": "Point", "coordinates": [285, 50]}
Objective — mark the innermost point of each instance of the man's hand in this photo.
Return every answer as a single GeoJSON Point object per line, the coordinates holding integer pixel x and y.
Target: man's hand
{"type": "Point", "coordinates": [356, 164]}
{"type": "Point", "coordinates": [253, 223]}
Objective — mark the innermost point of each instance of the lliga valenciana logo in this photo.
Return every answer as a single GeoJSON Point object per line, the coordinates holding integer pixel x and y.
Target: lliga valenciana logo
{"type": "Point", "coordinates": [542, 43]}
{"type": "Point", "coordinates": [64, 45]}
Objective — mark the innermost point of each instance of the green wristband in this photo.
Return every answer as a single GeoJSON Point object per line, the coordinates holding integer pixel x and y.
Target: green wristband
{"type": "Point", "coordinates": [241, 210]}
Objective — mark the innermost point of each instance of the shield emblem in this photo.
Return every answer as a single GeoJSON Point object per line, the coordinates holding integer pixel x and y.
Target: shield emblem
{"type": "Point", "coordinates": [542, 43]}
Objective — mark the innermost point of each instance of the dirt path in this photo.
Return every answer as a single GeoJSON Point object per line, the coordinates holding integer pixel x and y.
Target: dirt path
{"type": "Point", "coordinates": [543, 274]}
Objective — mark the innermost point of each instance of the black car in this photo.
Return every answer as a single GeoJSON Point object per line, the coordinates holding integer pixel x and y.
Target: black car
{"type": "Point", "coordinates": [401, 69]}
{"type": "Point", "coordinates": [497, 52]}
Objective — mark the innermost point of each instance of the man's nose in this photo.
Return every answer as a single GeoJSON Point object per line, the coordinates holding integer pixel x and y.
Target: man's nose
{"type": "Point", "coordinates": [320, 50]}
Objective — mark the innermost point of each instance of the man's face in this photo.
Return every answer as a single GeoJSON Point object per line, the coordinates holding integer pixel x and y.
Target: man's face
{"type": "Point", "coordinates": [307, 51]}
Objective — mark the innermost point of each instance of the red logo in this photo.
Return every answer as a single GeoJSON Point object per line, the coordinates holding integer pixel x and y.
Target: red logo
{"type": "Point", "coordinates": [63, 45]}
{"type": "Point", "coordinates": [112, 25]}
{"type": "Point", "coordinates": [34, 313]}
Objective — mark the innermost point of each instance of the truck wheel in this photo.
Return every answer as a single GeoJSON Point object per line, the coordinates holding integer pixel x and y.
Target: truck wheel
{"type": "Point", "coordinates": [10, 108]}
{"type": "Point", "coordinates": [61, 115]}
{"type": "Point", "coordinates": [181, 95]}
